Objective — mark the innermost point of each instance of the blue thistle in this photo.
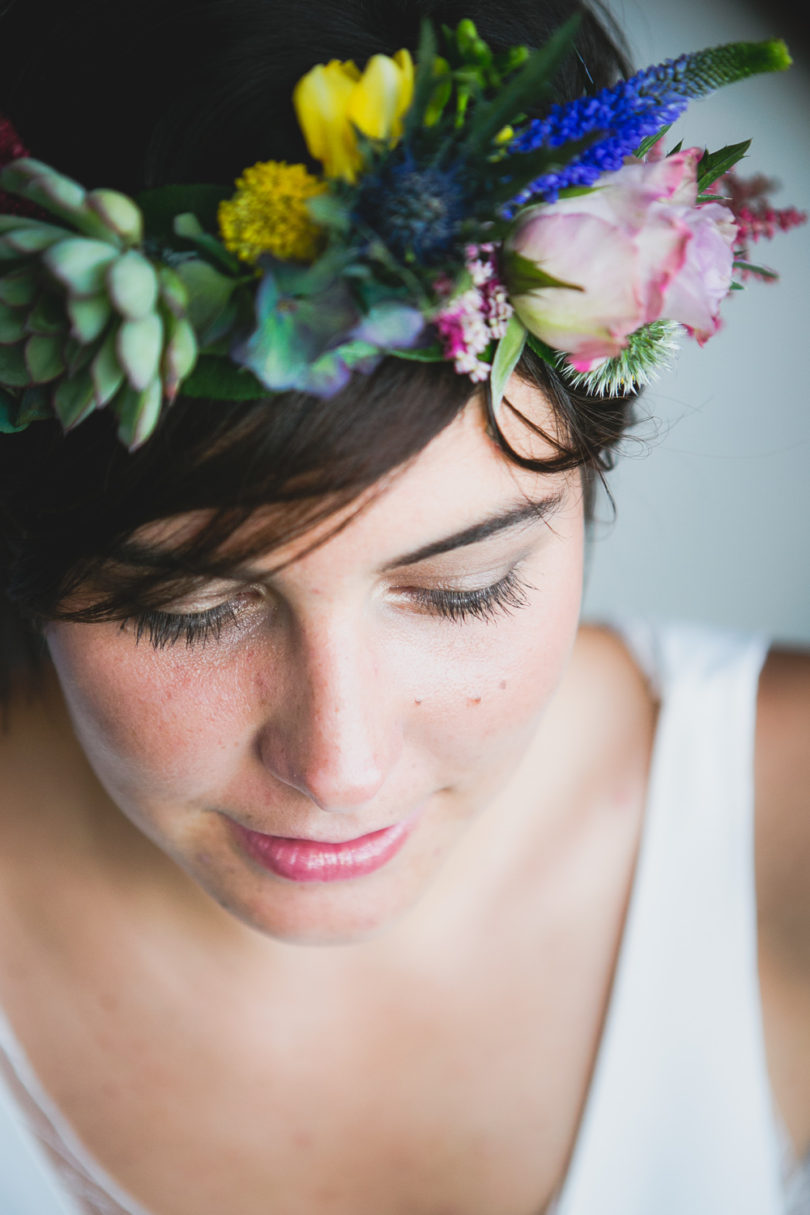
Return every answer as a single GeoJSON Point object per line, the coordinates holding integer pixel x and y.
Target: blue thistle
{"type": "Point", "coordinates": [417, 211]}
{"type": "Point", "coordinates": [634, 110]}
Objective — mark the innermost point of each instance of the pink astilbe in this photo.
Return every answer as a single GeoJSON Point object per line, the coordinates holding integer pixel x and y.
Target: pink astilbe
{"type": "Point", "coordinates": [470, 321]}
{"type": "Point", "coordinates": [757, 218]}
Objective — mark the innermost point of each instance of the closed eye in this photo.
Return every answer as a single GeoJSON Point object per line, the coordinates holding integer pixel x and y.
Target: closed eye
{"type": "Point", "coordinates": [482, 603]}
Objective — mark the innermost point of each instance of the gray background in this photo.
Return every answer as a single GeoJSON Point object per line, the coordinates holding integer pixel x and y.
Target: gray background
{"type": "Point", "coordinates": [713, 492]}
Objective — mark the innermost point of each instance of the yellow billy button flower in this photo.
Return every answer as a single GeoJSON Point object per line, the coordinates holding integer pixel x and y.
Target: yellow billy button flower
{"type": "Point", "coordinates": [335, 99]}
{"type": "Point", "coordinates": [268, 213]}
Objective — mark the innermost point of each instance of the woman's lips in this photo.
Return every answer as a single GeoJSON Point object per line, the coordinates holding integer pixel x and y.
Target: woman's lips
{"type": "Point", "coordinates": [302, 860]}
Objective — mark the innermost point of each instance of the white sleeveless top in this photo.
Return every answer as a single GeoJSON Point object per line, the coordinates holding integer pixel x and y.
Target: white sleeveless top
{"type": "Point", "coordinates": [679, 1118]}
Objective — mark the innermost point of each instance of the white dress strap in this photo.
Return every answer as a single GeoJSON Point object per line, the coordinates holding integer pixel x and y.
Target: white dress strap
{"type": "Point", "coordinates": [679, 1117]}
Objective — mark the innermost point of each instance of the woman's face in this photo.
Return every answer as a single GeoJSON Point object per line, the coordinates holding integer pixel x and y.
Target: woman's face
{"type": "Point", "coordinates": [383, 685]}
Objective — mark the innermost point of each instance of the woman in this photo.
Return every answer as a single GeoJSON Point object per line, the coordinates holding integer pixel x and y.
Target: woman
{"type": "Point", "coordinates": [322, 816]}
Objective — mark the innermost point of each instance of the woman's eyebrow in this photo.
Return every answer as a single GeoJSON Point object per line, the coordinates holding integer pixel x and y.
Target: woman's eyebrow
{"type": "Point", "coordinates": [500, 522]}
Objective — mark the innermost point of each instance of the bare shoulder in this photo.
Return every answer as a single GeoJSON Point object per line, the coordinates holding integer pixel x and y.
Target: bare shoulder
{"type": "Point", "coordinates": [604, 655]}
{"type": "Point", "coordinates": [614, 705]}
{"type": "Point", "coordinates": [782, 765]}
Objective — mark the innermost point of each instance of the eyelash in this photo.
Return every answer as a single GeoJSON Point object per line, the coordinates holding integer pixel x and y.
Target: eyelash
{"type": "Point", "coordinates": [483, 603]}
{"type": "Point", "coordinates": [165, 629]}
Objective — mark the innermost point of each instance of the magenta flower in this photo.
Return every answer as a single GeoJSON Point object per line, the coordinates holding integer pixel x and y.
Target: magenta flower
{"type": "Point", "coordinates": [473, 319]}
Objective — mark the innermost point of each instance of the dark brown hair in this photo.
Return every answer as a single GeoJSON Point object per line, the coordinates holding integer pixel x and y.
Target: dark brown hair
{"type": "Point", "coordinates": [130, 96]}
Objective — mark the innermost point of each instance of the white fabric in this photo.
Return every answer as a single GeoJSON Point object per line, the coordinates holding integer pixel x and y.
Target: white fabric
{"type": "Point", "coordinates": [679, 1119]}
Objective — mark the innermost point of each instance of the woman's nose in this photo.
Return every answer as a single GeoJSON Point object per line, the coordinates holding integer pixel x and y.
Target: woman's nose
{"type": "Point", "coordinates": [334, 734]}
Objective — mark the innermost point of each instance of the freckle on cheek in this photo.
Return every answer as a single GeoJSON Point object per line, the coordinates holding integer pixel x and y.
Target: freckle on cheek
{"type": "Point", "coordinates": [502, 685]}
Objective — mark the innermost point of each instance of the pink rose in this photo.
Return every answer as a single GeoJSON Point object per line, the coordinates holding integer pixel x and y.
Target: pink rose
{"type": "Point", "coordinates": [640, 249]}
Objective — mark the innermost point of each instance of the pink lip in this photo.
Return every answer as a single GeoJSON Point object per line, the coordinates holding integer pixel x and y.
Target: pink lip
{"type": "Point", "coordinates": [315, 861]}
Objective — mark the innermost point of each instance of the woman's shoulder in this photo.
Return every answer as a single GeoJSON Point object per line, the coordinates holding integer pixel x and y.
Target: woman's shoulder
{"type": "Point", "coordinates": [782, 781]}
{"type": "Point", "coordinates": [782, 767]}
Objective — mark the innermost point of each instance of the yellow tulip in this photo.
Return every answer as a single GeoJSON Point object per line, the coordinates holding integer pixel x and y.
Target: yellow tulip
{"type": "Point", "coordinates": [334, 100]}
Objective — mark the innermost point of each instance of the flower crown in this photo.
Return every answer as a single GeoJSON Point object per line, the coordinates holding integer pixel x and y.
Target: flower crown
{"type": "Point", "coordinates": [445, 224]}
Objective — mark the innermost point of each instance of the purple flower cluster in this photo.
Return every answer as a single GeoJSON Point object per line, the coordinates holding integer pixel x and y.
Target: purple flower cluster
{"type": "Point", "coordinates": [626, 113]}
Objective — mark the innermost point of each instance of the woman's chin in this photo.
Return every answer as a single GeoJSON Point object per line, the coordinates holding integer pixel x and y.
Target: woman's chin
{"type": "Point", "coordinates": [320, 914]}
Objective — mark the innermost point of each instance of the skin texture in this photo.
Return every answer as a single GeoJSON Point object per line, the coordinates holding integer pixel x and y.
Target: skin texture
{"type": "Point", "coordinates": [336, 701]}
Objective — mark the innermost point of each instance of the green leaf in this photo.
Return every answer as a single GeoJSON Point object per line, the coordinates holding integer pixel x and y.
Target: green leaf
{"type": "Point", "coordinates": [12, 325]}
{"type": "Point", "coordinates": [74, 400]}
{"type": "Point", "coordinates": [18, 289]}
{"type": "Point", "coordinates": [18, 412]}
{"type": "Point", "coordinates": [543, 351]}
{"type": "Point", "coordinates": [35, 406]}
{"type": "Point", "coordinates": [47, 316]}
{"type": "Point", "coordinates": [139, 345]}
{"type": "Point", "coordinates": [209, 294]}
{"type": "Point", "coordinates": [173, 293]}
{"type": "Point", "coordinates": [329, 212]}
{"type": "Point", "coordinates": [650, 142]}
{"type": "Point", "coordinates": [421, 354]}
{"type": "Point", "coordinates": [34, 238]}
{"type": "Point", "coordinates": [714, 164]}
{"type": "Point", "coordinates": [138, 413]}
{"type": "Point", "coordinates": [760, 271]}
{"type": "Point", "coordinates": [106, 372]}
{"type": "Point", "coordinates": [423, 81]}
{"type": "Point", "coordinates": [507, 354]}
{"type": "Point", "coordinates": [88, 317]}
{"type": "Point", "coordinates": [442, 92]}
{"type": "Point", "coordinates": [119, 214]}
{"type": "Point", "coordinates": [179, 355]}
{"type": "Point", "coordinates": [9, 414]}
{"type": "Point", "coordinates": [162, 204]}
{"type": "Point", "coordinates": [80, 264]}
{"type": "Point", "coordinates": [77, 356]}
{"type": "Point", "coordinates": [189, 228]}
{"type": "Point", "coordinates": [44, 358]}
{"type": "Point", "coordinates": [221, 379]}
{"type": "Point", "coordinates": [532, 82]}
{"type": "Point", "coordinates": [132, 283]}
{"type": "Point", "coordinates": [9, 223]}
{"type": "Point", "coordinates": [523, 275]}
{"type": "Point", "coordinates": [60, 195]}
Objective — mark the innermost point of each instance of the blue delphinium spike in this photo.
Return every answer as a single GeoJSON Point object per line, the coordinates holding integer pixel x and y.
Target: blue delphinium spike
{"type": "Point", "coordinates": [635, 109]}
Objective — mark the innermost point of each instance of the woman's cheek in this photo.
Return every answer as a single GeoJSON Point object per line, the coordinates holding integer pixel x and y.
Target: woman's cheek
{"type": "Point", "coordinates": [480, 692]}
{"type": "Point", "coordinates": [148, 720]}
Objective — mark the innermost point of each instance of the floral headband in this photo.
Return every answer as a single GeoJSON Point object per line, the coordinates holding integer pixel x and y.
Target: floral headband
{"type": "Point", "coordinates": [444, 224]}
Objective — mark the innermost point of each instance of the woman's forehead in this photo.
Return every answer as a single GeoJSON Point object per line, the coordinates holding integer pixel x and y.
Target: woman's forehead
{"type": "Point", "coordinates": [459, 479]}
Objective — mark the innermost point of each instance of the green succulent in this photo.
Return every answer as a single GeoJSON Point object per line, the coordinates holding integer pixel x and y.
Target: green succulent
{"type": "Point", "coordinates": [87, 320]}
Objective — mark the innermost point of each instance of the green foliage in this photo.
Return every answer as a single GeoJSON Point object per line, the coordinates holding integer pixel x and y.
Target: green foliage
{"type": "Point", "coordinates": [713, 165]}
{"type": "Point", "coordinates": [162, 204]}
{"type": "Point", "coordinates": [220, 379]}
{"type": "Point", "coordinates": [507, 354]}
